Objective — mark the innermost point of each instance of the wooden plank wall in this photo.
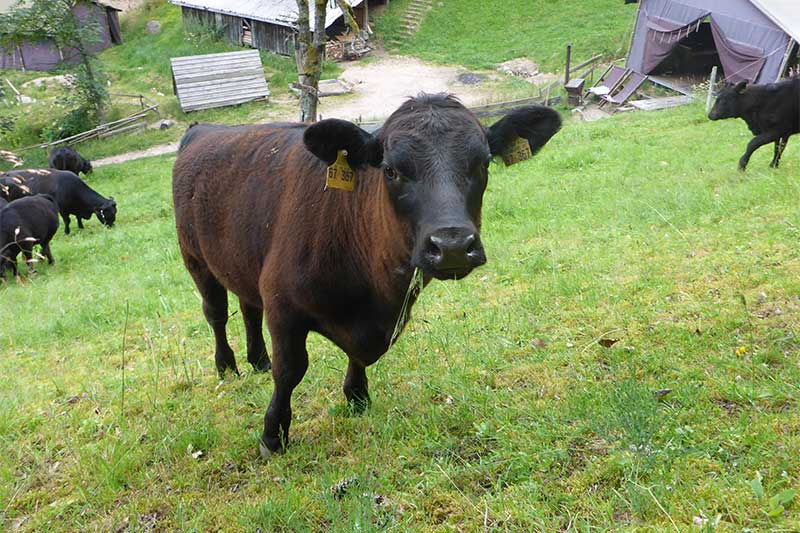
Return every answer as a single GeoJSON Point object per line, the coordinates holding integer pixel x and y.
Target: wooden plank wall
{"type": "Point", "coordinates": [216, 80]}
{"type": "Point", "coordinates": [270, 37]}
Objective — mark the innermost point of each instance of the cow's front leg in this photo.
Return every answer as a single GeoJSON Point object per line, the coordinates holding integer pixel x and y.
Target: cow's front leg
{"type": "Point", "coordinates": [65, 218]}
{"type": "Point", "coordinates": [355, 386]}
{"type": "Point", "coordinates": [80, 222]}
{"type": "Point", "coordinates": [289, 365]}
{"type": "Point", "coordinates": [755, 143]}
{"type": "Point", "coordinates": [256, 349]}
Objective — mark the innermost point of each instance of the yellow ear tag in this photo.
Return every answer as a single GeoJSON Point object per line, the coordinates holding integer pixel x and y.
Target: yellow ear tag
{"type": "Point", "coordinates": [519, 151]}
{"type": "Point", "coordinates": [340, 175]}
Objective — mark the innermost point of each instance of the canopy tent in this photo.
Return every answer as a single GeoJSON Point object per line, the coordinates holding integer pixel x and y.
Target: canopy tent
{"type": "Point", "coordinates": [753, 38]}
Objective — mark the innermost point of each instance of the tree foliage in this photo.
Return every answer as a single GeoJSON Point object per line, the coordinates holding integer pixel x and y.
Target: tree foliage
{"type": "Point", "coordinates": [76, 38]}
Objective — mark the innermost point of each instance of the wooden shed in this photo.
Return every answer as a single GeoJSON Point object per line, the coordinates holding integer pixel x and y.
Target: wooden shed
{"type": "Point", "coordinates": [264, 24]}
{"type": "Point", "coordinates": [217, 80]}
{"type": "Point", "coordinates": [45, 55]}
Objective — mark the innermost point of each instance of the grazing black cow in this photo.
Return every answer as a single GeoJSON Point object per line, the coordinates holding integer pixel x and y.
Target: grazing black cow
{"type": "Point", "coordinates": [772, 112]}
{"type": "Point", "coordinates": [12, 188]}
{"type": "Point", "coordinates": [254, 218]}
{"type": "Point", "coordinates": [67, 158]}
{"type": "Point", "coordinates": [23, 224]}
{"type": "Point", "coordinates": [72, 194]}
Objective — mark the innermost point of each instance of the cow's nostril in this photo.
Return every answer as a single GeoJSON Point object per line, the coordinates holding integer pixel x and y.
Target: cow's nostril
{"type": "Point", "coordinates": [433, 248]}
{"type": "Point", "coordinates": [470, 242]}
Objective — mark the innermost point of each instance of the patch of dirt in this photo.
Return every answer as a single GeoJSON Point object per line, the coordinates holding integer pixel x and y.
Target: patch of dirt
{"type": "Point", "coordinates": [159, 149]}
{"type": "Point", "coordinates": [379, 87]}
{"type": "Point", "coordinates": [471, 78]}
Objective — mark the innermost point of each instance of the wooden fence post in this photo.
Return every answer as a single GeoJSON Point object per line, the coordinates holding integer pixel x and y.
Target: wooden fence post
{"type": "Point", "coordinates": [569, 58]}
{"type": "Point", "coordinates": [711, 82]}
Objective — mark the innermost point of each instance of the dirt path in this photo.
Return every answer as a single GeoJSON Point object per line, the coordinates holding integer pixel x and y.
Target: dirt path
{"type": "Point", "coordinates": [159, 149]}
{"type": "Point", "coordinates": [379, 87]}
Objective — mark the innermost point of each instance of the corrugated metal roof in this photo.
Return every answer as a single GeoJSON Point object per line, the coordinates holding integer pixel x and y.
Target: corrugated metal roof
{"type": "Point", "coordinates": [784, 13]}
{"type": "Point", "coordinates": [281, 12]}
{"type": "Point", "coordinates": [217, 80]}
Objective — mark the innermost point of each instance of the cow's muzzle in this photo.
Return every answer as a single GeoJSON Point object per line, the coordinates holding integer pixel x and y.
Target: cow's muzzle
{"type": "Point", "coordinates": [452, 253]}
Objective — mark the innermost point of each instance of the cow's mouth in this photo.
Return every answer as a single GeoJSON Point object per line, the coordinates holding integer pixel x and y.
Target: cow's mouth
{"type": "Point", "coordinates": [452, 273]}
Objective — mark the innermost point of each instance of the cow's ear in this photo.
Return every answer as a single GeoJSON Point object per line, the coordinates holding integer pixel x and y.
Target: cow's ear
{"type": "Point", "coordinates": [535, 123]}
{"type": "Point", "coordinates": [740, 87]}
{"type": "Point", "coordinates": [325, 138]}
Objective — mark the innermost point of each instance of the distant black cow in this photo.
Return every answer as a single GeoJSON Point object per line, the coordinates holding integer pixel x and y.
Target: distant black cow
{"type": "Point", "coordinates": [25, 223]}
{"type": "Point", "coordinates": [12, 188]}
{"type": "Point", "coordinates": [72, 194]}
{"type": "Point", "coordinates": [66, 158]}
{"type": "Point", "coordinates": [772, 113]}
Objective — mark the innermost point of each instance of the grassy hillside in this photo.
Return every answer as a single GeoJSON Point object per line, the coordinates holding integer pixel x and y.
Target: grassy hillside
{"type": "Point", "coordinates": [481, 34]}
{"type": "Point", "coordinates": [497, 410]}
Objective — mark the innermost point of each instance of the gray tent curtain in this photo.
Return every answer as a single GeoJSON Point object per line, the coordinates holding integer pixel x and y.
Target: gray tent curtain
{"type": "Point", "coordinates": [663, 35]}
{"type": "Point", "coordinates": [739, 61]}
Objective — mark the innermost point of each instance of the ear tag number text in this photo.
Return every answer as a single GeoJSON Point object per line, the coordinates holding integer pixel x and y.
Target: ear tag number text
{"type": "Point", "coordinates": [519, 151]}
{"type": "Point", "coordinates": [340, 175]}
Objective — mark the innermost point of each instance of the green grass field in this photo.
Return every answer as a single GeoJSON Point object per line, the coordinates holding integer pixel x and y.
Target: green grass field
{"type": "Point", "coordinates": [497, 410]}
{"type": "Point", "coordinates": [482, 34]}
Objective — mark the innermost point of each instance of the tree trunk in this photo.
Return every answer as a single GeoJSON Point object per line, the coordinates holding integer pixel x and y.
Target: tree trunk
{"type": "Point", "coordinates": [309, 55]}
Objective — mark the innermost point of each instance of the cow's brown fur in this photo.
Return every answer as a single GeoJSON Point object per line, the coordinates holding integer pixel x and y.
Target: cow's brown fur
{"type": "Point", "coordinates": [253, 218]}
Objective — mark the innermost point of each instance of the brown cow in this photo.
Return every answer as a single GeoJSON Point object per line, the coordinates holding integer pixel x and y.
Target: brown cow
{"type": "Point", "coordinates": [254, 218]}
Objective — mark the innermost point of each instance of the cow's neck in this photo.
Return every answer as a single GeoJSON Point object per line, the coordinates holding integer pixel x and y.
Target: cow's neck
{"type": "Point", "coordinates": [386, 248]}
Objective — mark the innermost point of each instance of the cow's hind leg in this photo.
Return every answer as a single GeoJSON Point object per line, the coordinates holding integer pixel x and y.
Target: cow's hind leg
{"type": "Point", "coordinates": [65, 218]}
{"type": "Point", "coordinates": [47, 253]}
{"type": "Point", "coordinates": [256, 348]}
{"type": "Point", "coordinates": [215, 308]}
{"type": "Point", "coordinates": [289, 365]}
{"type": "Point", "coordinates": [755, 143]}
{"type": "Point", "coordinates": [355, 386]}
{"type": "Point", "coordinates": [780, 146]}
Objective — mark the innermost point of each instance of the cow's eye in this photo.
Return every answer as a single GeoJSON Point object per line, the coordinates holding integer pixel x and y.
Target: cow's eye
{"type": "Point", "coordinates": [390, 173]}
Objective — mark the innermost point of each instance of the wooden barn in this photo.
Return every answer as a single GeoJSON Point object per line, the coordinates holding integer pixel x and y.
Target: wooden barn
{"type": "Point", "coordinates": [263, 24]}
{"type": "Point", "coordinates": [45, 55]}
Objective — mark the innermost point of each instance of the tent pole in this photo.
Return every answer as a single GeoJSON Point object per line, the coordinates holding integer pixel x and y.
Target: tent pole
{"type": "Point", "coordinates": [633, 32]}
{"type": "Point", "coordinates": [785, 62]}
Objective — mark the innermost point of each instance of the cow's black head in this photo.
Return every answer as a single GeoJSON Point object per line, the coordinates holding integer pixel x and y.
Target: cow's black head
{"type": "Point", "coordinates": [107, 212]}
{"type": "Point", "coordinates": [728, 104]}
{"type": "Point", "coordinates": [86, 166]}
{"type": "Point", "coordinates": [434, 156]}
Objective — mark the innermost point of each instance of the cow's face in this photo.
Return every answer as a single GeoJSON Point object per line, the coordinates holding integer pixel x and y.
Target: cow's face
{"type": "Point", "coordinates": [86, 167]}
{"type": "Point", "coordinates": [107, 212]}
{"type": "Point", "coordinates": [434, 157]}
{"type": "Point", "coordinates": [728, 102]}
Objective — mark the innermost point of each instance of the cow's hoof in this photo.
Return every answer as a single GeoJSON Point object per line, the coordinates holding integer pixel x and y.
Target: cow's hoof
{"type": "Point", "coordinates": [266, 453]}
{"type": "Point", "coordinates": [263, 365]}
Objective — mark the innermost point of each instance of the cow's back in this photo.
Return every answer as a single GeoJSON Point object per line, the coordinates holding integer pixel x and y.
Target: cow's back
{"type": "Point", "coordinates": [232, 186]}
